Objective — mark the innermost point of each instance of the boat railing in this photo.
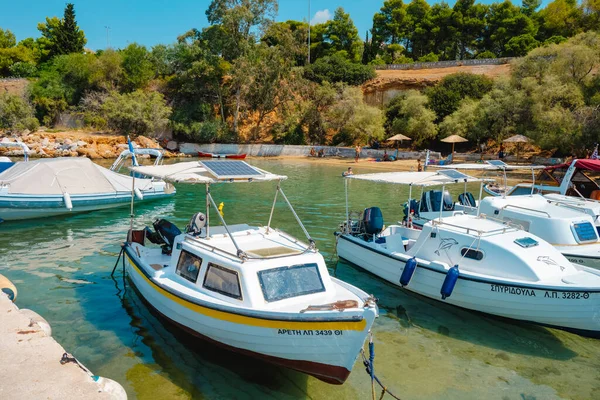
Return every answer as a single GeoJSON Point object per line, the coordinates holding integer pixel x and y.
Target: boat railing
{"type": "Point", "coordinates": [473, 231]}
{"type": "Point", "coordinates": [526, 209]}
{"type": "Point", "coordinates": [214, 249]}
{"type": "Point", "coordinates": [569, 205]}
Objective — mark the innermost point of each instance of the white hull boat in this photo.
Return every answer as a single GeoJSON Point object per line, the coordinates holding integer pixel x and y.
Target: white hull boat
{"type": "Point", "coordinates": [253, 290]}
{"type": "Point", "coordinates": [478, 264]}
{"type": "Point", "coordinates": [57, 186]}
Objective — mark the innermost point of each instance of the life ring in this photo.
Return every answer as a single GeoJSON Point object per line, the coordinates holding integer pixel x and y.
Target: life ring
{"type": "Point", "coordinates": [6, 286]}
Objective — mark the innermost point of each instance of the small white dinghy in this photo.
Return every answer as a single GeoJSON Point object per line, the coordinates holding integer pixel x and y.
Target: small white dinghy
{"type": "Point", "coordinates": [473, 262]}
{"type": "Point", "coordinates": [252, 289]}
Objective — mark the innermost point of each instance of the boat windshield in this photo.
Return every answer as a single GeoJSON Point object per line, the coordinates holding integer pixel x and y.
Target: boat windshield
{"type": "Point", "coordinates": [285, 282]}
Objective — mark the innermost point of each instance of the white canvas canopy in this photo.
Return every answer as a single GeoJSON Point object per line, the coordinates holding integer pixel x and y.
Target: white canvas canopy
{"type": "Point", "coordinates": [66, 175]}
{"type": "Point", "coordinates": [488, 167]}
{"type": "Point", "coordinates": [196, 172]}
{"type": "Point", "coordinates": [438, 178]}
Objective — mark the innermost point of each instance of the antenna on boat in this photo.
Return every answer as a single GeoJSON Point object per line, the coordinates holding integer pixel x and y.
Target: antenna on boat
{"type": "Point", "coordinates": [131, 214]}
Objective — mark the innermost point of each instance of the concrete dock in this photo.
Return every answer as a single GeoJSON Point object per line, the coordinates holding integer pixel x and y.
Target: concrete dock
{"type": "Point", "coordinates": [30, 365]}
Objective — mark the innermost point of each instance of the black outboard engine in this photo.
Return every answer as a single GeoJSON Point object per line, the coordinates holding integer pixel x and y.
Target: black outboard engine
{"type": "Point", "coordinates": [196, 224]}
{"type": "Point", "coordinates": [413, 206]}
{"type": "Point", "coordinates": [164, 234]}
{"type": "Point", "coordinates": [373, 220]}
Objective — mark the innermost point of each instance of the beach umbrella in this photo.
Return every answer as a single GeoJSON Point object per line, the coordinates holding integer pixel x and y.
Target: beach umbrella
{"type": "Point", "coordinates": [454, 139]}
{"type": "Point", "coordinates": [517, 139]}
{"type": "Point", "coordinates": [398, 138]}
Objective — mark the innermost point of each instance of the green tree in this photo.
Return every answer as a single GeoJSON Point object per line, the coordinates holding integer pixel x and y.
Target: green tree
{"type": "Point", "coordinates": [69, 38]}
{"type": "Point", "coordinates": [7, 39]}
{"type": "Point", "coordinates": [529, 7]}
{"type": "Point", "coordinates": [62, 36]}
{"type": "Point", "coordinates": [407, 114]}
{"type": "Point", "coordinates": [352, 119]}
{"type": "Point", "coordinates": [445, 97]}
{"type": "Point", "coordinates": [342, 36]}
{"type": "Point", "coordinates": [138, 68]}
{"type": "Point", "coordinates": [338, 69]}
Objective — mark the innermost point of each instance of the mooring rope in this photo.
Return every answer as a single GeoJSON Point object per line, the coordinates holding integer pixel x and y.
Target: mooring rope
{"type": "Point", "coordinates": [370, 370]}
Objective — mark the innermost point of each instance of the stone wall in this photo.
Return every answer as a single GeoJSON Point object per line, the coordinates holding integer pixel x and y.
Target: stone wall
{"type": "Point", "coordinates": [273, 150]}
{"type": "Point", "coordinates": [447, 64]}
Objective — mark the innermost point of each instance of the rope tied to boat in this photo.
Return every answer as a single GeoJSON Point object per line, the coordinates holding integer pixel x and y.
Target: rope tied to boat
{"type": "Point", "coordinates": [368, 363]}
{"type": "Point", "coordinates": [65, 359]}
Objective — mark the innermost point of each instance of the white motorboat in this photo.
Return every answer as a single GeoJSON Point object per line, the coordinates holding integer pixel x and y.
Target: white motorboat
{"type": "Point", "coordinates": [252, 289]}
{"type": "Point", "coordinates": [56, 186]}
{"type": "Point", "coordinates": [472, 261]}
{"type": "Point", "coordinates": [565, 222]}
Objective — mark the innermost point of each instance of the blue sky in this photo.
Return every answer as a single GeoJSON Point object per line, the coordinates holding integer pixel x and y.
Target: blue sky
{"type": "Point", "coordinates": [150, 22]}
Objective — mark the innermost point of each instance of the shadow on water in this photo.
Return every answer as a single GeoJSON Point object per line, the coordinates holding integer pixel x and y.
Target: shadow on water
{"type": "Point", "coordinates": [411, 311]}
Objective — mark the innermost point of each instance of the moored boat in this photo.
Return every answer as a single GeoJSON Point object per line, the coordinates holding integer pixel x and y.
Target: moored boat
{"type": "Point", "coordinates": [252, 289]}
{"type": "Point", "coordinates": [215, 155]}
{"type": "Point", "coordinates": [57, 186]}
{"type": "Point", "coordinates": [473, 262]}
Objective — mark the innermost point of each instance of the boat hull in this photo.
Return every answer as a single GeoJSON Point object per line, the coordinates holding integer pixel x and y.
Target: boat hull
{"type": "Point", "coordinates": [18, 207]}
{"type": "Point", "coordinates": [324, 348]}
{"type": "Point", "coordinates": [576, 309]}
{"type": "Point", "coordinates": [228, 156]}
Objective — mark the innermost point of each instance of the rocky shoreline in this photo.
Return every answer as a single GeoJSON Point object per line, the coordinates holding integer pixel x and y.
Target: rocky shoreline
{"type": "Point", "coordinates": [95, 145]}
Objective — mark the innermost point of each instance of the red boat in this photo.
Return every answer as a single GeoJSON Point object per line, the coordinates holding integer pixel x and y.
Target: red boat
{"type": "Point", "coordinates": [230, 156]}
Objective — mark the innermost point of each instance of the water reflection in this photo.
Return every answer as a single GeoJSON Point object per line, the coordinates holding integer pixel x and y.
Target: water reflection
{"type": "Point", "coordinates": [424, 349]}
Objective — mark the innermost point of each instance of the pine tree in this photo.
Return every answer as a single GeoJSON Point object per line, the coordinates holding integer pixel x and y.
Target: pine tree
{"type": "Point", "coordinates": [69, 38]}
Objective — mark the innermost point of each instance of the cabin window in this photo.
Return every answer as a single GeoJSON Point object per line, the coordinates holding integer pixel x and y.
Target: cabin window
{"type": "Point", "coordinates": [472, 254]}
{"type": "Point", "coordinates": [584, 232]}
{"type": "Point", "coordinates": [285, 282]}
{"type": "Point", "coordinates": [223, 280]}
{"type": "Point", "coordinates": [188, 266]}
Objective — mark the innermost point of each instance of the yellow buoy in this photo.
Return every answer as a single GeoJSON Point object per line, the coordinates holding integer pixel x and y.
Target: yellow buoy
{"type": "Point", "coordinates": [6, 286]}
{"type": "Point", "coordinates": [221, 205]}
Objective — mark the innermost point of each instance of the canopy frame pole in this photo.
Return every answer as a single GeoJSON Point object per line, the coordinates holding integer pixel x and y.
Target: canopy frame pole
{"type": "Point", "coordinates": [442, 202]}
{"type": "Point", "coordinates": [131, 211]}
{"type": "Point", "coordinates": [310, 240]}
{"type": "Point", "coordinates": [505, 183]}
{"type": "Point", "coordinates": [347, 208]}
{"type": "Point", "coordinates": [273, 207]}
{"type": "Point", "coordinates": [208, 211]}
{"type": "Point", "coordinates": [532, 181]}
{"type": "Point", "coordinates": [480, 195]}
{"type": "Point", "coordinates": [240, 253]}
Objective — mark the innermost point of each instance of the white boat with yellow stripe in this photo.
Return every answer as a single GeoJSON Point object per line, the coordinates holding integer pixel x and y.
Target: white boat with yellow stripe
{"type": "Point", "coordinates": [252, 289]}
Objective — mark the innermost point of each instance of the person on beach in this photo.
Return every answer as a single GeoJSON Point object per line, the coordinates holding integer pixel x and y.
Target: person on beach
{"type": "Point", "coordinates": [419, 166]}
{"type": "Point", "coordinates": [348, 172]}
{"type": "Point", "coordinates": [501, 152]}
{"type": "Point", "coordinates": [357, 153]}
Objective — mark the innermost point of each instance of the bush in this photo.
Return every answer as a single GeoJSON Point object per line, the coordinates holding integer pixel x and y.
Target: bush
{"type": "Point", "coordinates": [431, 57]}
{"type": "Point", "coordinates": [16, 114]}
{"type": "Point", "coordinates": [485, 54]}
{"type": "Point", "coordinates": [338, 69]}
{"type": "Point", "coordinates": [445, 97]}
{"type": "Point", "coordinates": [137, 113]}
{"type": "Point", "coordinates": [204, 132]}
{"type": "Point", "coordinates": [22, 69]}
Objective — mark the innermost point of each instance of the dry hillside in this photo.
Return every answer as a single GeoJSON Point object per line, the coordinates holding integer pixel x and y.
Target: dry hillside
{"type": "Point", "coordinates": [389, 83]}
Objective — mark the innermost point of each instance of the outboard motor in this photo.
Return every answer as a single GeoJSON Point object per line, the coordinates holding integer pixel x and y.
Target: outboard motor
{"type": "Point", "coordinates": [373, 220]}
{"type": "Point", "coordinates": [196, 224]}
{"type": "Point", "coordinates": [414, 206]}
{"type": "Point", "coordinates": [165, 233]}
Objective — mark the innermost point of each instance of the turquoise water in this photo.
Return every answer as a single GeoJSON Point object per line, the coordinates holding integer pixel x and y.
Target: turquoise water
{"type": "Point", "coordinates": [424, 349]}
